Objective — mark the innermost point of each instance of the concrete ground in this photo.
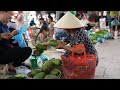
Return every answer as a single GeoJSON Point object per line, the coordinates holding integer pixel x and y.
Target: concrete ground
{"type": "Point", "coordinates": [109, 63]}
{"type": "Point", "coordinates": [109, 60]}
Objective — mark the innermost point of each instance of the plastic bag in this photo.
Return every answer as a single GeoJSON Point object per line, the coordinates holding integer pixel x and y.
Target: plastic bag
{"type": "Point", "coordinates": [19, 37]}
{"type": "Point", "coordinates": [22, 70]}
{"type": "Point", "coordinates": [20, 40]}
{"type": "Point", "coordinates": [23, 29]}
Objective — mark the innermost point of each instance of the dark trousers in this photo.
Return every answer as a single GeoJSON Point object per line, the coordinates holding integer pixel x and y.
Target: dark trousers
{"type": "Point", "coordinates": [14, 55]}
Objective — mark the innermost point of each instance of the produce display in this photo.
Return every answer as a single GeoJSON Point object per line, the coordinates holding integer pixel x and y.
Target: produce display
{"type": "Point", "coordinates": [37, 53]}
{"type": "Point", "coordinates": [18, 76]}
{"type": "Point", "coordinates": [34, 72]}
{"type": "Point", "coordinates": [53, 43]}
{"type": "Point", "coordinates": [50, 70]}
{"type": "Point", "coordinates": [47, 66]}
{"type": "Point", "coordinates": [54, 72]}
{"type": "Point", "coordinates": [40, 47]}
{"type": "Point", "coordinates": [40, 75]}
{"type": "Point", "coordinates": [56, 62]}
{"type": "Point", "coordinates": [50, 77]}
{"type": "Point", "coordinates": [39, 50]}
{"type": "Point", "coordinates": [99, 36]}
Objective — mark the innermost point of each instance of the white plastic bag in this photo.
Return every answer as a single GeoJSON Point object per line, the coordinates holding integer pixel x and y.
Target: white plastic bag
{"type": "Point", "coordinates": [22, 70]}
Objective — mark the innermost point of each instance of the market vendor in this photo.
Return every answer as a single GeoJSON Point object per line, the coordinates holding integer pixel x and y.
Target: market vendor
{"type": "Point", "coordinates": [8, 52]}
{"type": "Point", "coordinates": [76, 36]}
{"type": "Point", "coordinates": [51, 23]}
{"type": "Point", "coordinates": [11, 25]}
{"type": "Point", "coordinates": [42, 22]}
{"type": "Point", "coordinates": [60, 34]}
{"type": "Point", "coordinates": [43, 35]}
{"type": "Point", "coordinates": [88, 24]}
{"type": "Point", "coordinates": [114, 25]}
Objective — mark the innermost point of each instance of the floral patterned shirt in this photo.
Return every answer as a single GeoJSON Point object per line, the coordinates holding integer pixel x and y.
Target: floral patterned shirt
{"type": "Point", "coordinates": [80, 36]}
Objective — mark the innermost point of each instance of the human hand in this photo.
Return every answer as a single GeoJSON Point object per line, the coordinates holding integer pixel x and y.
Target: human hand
{"type": "Point", "coordinates": [6, 35]}
{"type": "Point", "coordinates": [60, 46]}
{"type": "Point", "coordinates": [61, 42]}
{"type": "Point", "coordinates": [15, 32]}
{"type": "Point", "coordinates": [45, 43]}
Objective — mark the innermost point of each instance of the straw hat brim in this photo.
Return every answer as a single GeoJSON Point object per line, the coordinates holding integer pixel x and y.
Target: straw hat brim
{"type": "Point", "coordinates": [69, 21]}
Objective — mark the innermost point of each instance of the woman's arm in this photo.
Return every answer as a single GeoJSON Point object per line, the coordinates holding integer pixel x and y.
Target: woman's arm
{"type": "Point", "coordinates": [41, 36]}
{"type": "Point", "coordinates": [61, 46]}
{"type": "Point", "coordinates": [62, 42]}
{"type": "Point", "coordinates": [46, 39]}
{"type": "Point", "coordinates": [14, 32]}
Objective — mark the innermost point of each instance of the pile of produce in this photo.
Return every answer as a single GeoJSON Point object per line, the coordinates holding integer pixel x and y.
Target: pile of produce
{"type": "Point", "coordinates": [50, 70]}
{"type": "Point", "coordinates": [53, 43]}
{"type": "Point", "coordinates": [36, 55]}
{"type": "Point", "coordinates": [101, 33]}
{"type": "Point", "coordinates": [39, 49]}
{"type": "Point", "coordinates": [98, 36]}
{"type": "Point", "coordinates": [18, 76]}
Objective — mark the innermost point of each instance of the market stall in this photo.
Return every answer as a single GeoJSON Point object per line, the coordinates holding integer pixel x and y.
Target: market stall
{"type": "Point", "coordinates": [47, 62]}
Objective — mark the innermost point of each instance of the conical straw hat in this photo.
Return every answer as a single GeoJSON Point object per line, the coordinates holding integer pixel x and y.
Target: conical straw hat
{"type": "Point", "coordinates": [69, 21]}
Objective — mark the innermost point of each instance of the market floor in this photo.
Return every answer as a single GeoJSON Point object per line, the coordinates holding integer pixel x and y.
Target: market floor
{"type": "Point", "coordinates": [109, 60]}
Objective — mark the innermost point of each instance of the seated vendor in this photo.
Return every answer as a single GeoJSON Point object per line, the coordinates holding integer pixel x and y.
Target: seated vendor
{"type": "Point", "coordinates": [60, 34]}
{"type": "Point", "coordinates": [8, 52]}
{"type": "Point", "coordinates": [43, 35]}
{"type": "Point", "coordinates": [87, 23]}
{"type": "Point", "coordinates": [76, 35]}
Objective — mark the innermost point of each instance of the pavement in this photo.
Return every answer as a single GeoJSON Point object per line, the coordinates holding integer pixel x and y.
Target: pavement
{"type": "Point", "coordinates": [109, 60]}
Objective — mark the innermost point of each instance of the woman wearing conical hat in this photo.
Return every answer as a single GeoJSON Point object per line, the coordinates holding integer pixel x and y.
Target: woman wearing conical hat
{"type": "Point", "coordinates": [73, 26]}
{"type": "Point", "coordinates": [114, 24]}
